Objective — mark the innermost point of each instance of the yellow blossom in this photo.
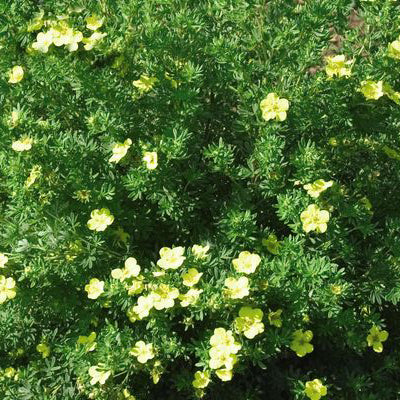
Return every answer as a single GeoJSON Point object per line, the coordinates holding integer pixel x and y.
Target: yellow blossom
{"type": "Point", "coordinates": [394, 49]}
{"type": "Point", "coordinates": [94, 288]}
{"type": "Point", "coordinates": [237, 288]}
{"type": "Point", "coordinates": [247, 262]}
{"type": "Point", "coordinates": [142, 351]}
{"type": "Point", "coordinates": [100, 219]}
{"type": "Point", "coordinates": [314, 219]}
{"type": "Point", "coordinates": [44, 349]}
{"type": "Point", "coordinates": [24, 144]}
{"type": "Point", "coordinates": [7, 289]}
{"type": "Point", "coordinates": [191, 277]}
{"type": "Point", "coordinates": [136, 286]}
{"type": "Point", "coordinates": [171, 258]}
{"type": "Point", "coordinates": [200, 252]}
{"type": "Point", "coordinates": [120, 150]}
{"type": "Point", "coordinates": [126, 395]}
{"type": "Point", "coordinates": [336, 289]}
{"type": "Point", "coordinates": [376, 337]}
{"type": "Point", "coordinates": [372, 90]}
{"type": "Point", "coordinates": [201, 379]}
{"type": "Point", "coordinates": [221, 357]}
{"type": "Point", "coordinates": [131, 269]}
{"type": "Point", "coordinates": [142, 309]}
{"type": "Point", "coordinates": [225, 340]}
{"type": "Point", "coordinates": [10, 372]}
{"type": "Point", "coordinates": [301, 342]}
{"type": "Point", "coordinates": [224, 374]}
{"type": "Point", "coordinates": [273, 107]}
{"type": "Point", "coordinates": [164, 296]}
{"type": "Point", "coordinates": [315, 389]}
{"type": "Point", "coordinates": [316, 188]}
{"type": "Point", "coordinates": [337, 66]}
{"type": "Point", "coordinates": [43, 41]}
{"type": "Point", "coordinates": [88, 341]}
{"type": "Point", "coordinates": [145, 83]}
{"type": "Point", "coordinates": [98, 375]}
{"type": "Point", "coordinates": [73, 39]}
{"type": "Point", "coordinates": [274, 318]}
{"type": "Point", "coordinates": [16, 74]}
{"type": "Point", "coordinates": [3, 260]}
{"type": "Point", "coordinates": [94, 22]}
{"type": "Point", "coordinates": [249, 322]}
{"type": "Point", "coordinates": [151, 159]}
{"type": "Point", "coordinates": [190, 297]}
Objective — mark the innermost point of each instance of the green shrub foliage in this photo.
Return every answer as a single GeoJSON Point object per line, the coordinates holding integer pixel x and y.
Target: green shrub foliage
{"type": "Point", "coordinates": [134, 131]}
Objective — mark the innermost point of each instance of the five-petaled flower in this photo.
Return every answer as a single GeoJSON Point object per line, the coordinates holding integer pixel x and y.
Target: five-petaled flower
{"type": "Point", "coordinates": [314, 390]}
{"type": "Point", "coordinates": [337, 66]}
{"type": "Point", "coordinates": [142, 351]}
{"type": "Point", "coordinates": [94, 288]}
{"type": "Point", "coordinates": [372, 90]}
{"type": "Point", "coordinates": [98, 375]}
{"type": "Point", "coordinates": [376, 337]}
{"type": "Point", "coordinates": [249, 322]}
{"type": "Point", "coordinates": [301, 342]}
{"type": "Point", "coordinates": [314, 219]}
{"type": "Point", "coordinates": [100, 219]}
{"type": "Point", "coordinates": [16, 74]}
{"type": "Point", "coordinates": [272, 107]}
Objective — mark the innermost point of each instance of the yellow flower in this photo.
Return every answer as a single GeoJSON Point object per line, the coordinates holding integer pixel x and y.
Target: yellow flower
{"type": "Point", "coordinates": [190, 297]}
{"type": "Point", "coordinates": [301, 342]}
{"type": "Point", "coordinates": [142, 351]}
{"type": "Point", "coordinates": [97, 375]}
{"type": "Point", "coordinates": [274, 318]}
{"type": "Point", "coordinates": [394, 50]}
{"type": "Point", "coordinates": [94, 288]}
{"type": "Point", "coordinates": [120, 150]}
{"type": "Point", "coordinates": [10, 372]}
{"type": "Point", "coordinates": [200, 252]}
{"type": "Point", "coordinates": [3, 260]}
{"type": "Point", "coordinates": [191, 277]}
{"type": "Point", "coordinates": [221, 357]}
{"type": "Point", "coordinates": [376, 337]}
{"type": "Point", "coordinates": [16, 74]}
{"type": "Point", "coordinates": [43, 41]}
{"type": "Point", "coordinates": [151, 159]}
{"type": "Point", "coordinates": [247, 262]}
{"type": "Point", "coordinates": [201, 379]}
{"type": "Point", "coordinates": [372, 90]}
{"type": "Point", "coordinates": [7, 289]}
{"type": "Point", "coordinates": [315, 389]}
{"type": "Point", "coordinates": [44, 349]}
{"type": "Point", "coordinates": [92, 41]}
{"type": "Point", "coordinates": [249, 322]}
{"type": "Point", "coordinates": [314, 219]}
{"type": "Point", "coordinates": [100, 219]}
{"type": "Point", "coordinates": [127, 395]}
{"type": "Point", "coordinates": [132, 269]}
{"type": "Point", "coordinates": [316, 188]}
{"type": "Point", "coordinates": [136, 286]}
{"type": "Point", "coordinates": [24, 144]}
{"type": "Point", "coordinates": [145, 83]}
{"type": "Point", "coordinates": [164, 296]}
{"type": "Point", "coordinates": [73, 39]}
{"type": "Point", "coordinates": [237, 288]}
{"type": "Point", "coordinates": [224, 374]}
{"type": "Point", "coordinates": [171, 258]}
{"type": "Point", "coordinates": [224, 340]}
{"type": "Point", "coordinates": [272, 107]}
{"type": "Point", "coordinates": [272, 244]}
{"type": "Point", "coordinates": [33, 175]}
{"type": "Point", "coordinates": [88, 341]}
{"type": "Point", "coordinates": [337, 66]}
{"type": "Point", "coordinates": [336, 289]}
{"type": "Point", "coordinates": [60, 33]}
{"type": "Point", "coordinates": [142, 309]}
{"type": "Point", "coordinates": [94, 22]}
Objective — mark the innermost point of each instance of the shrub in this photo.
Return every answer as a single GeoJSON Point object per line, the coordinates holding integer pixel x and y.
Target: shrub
{"type": "Point", "coordinates": [199, 199]}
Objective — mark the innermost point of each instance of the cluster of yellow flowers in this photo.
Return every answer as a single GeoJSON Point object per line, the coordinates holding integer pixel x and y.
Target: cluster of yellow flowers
{"type": "Point", "coordinates": [223, 352]}
{"type": "Point", "coordinates": [61, 34]}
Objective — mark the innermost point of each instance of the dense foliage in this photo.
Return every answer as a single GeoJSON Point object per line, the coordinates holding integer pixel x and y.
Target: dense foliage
{"type": "Point", "coordinates": [199, 199]}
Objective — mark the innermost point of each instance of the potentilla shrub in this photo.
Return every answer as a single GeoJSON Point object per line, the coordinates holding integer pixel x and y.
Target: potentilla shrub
{"type": "Point", "coordinates": [199, 199]}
